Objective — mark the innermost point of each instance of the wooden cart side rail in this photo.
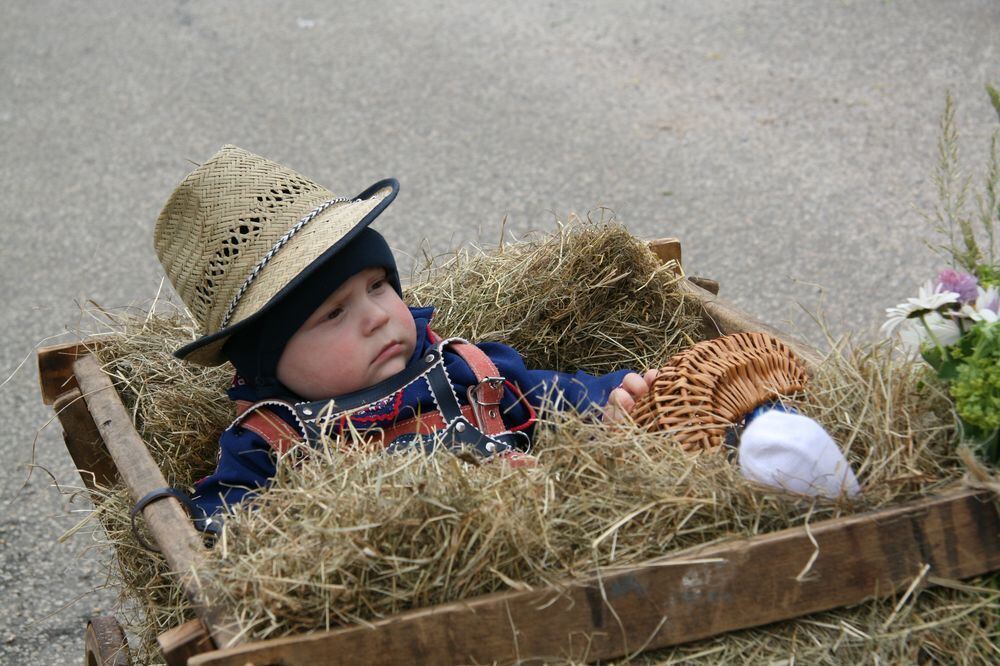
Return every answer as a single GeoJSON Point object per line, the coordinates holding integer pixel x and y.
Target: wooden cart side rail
{"type": "Point", "coordinates": [700, 593]}
{"type": "Point", "coordinates": [166, 519]}
{"type": "Point", "coordinates": [55, 368]}
{"type": "Point", "coordinates": [83, 440]}
{"type": "Point", "coordinates": [719, 316]}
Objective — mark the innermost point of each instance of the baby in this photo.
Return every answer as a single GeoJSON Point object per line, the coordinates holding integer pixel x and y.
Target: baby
{"type": "Point", "coordinates": [290, 285]}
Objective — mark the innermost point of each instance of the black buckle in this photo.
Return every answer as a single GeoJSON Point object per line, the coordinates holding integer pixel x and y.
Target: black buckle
{"type": "Point", "coordinates": [208, 524]}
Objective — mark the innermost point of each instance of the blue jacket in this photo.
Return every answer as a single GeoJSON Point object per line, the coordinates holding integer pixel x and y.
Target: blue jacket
{"type": "Point", "coordinates": [247, 462]}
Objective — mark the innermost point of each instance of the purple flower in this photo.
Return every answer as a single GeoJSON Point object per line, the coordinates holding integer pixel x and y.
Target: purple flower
{"type": "Point", "coordinates": [960, 282]}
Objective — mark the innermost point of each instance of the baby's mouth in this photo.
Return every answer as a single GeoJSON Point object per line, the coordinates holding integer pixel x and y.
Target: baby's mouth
{"type": "Point", "coordinates": [387, 352]}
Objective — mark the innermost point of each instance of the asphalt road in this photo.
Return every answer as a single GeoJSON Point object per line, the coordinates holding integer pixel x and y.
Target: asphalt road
{"type": "Point", "coordinates": [788, 144]}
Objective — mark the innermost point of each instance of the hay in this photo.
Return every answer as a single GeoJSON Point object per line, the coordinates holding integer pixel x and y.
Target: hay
{"type": "Point", "coordinates": [351, 538]}
{"type": "Point", "coordinates": [178, 408]}
{"type": "Point", "coordinates": [588, 297]}
{"type": "Point", "coordinates": [341, 539]}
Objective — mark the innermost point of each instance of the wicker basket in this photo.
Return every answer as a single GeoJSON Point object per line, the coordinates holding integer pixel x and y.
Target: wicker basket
{"type": "Point", "coordinates": [712, 385]}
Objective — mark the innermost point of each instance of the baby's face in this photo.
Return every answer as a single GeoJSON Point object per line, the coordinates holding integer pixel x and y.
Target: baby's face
{"type": "Point", "coordinates": [361, 334]}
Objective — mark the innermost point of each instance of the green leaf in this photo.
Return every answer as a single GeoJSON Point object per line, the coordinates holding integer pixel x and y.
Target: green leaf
{"type": "Point", "coordinates": [994, 98]}
{"type": "Point", "coordinates": [988, 275]}
{"type": "Point", "coordinates": [949, 370]}
{"type": "Point", "coordinates": [934, 357]}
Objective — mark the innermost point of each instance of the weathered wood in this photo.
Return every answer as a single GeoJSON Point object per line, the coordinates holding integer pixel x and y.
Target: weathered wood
{"type": "Point", "coordinates": [667, 249]}
{"type": "Point", "coordinates": [722, 317]}
{"type": "Point", "coordinates": [699, 593]}
{"type": "Point", "coordinates": [104, 643]}
{"type": "Point", "coordinates": [83, 440]}
{"type": "Point", "coordinates": [709, 285]}
{"type": "Point", "coordinates": [55, 368]}
{"type": "Point", "coordinates": [719, 317]}
{"type": "Point", "coordinates": [181, 643]}
{"type": "Point", "coordinates": [169, 524]}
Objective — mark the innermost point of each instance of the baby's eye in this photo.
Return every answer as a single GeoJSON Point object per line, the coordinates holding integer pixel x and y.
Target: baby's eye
{"type": "Point", "coordinates": [335, 313]}
{"type": "Point", "coordinates": [378, 284]}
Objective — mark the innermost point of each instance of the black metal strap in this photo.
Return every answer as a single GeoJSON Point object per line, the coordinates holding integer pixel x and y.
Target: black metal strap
{"type": "Point", "coordinates": [208, 524]}
{"type": "Point", "coordinates": [460, 432]}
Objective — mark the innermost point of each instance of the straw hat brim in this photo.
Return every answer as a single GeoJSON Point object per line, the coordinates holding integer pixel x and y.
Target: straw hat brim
{"type": "Point", "coordinates": [207, 350]}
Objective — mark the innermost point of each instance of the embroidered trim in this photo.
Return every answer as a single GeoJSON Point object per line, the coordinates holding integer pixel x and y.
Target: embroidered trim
{"type": "Point", "coordinates": [264, 403]}
{"type": "Point", "coordinates": [323, 420]}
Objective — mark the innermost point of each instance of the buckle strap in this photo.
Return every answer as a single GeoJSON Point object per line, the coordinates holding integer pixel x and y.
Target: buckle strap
{"type": "Point", "coordinates": [460, 433]}
{"type": "Point", "coordinates": [482, 365]}
{"type": "Point", "coordinates": [484, 398]}
{"type": "Point", "coordinates": [209, 524]}
{"type": "Point", "coordinates": [486, 395]}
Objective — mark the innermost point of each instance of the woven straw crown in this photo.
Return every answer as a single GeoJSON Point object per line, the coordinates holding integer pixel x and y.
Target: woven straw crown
{"type": "Point", "coordinates": [241, 229]}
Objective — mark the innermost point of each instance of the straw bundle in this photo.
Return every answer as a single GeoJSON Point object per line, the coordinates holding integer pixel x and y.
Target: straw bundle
{"type": "Point", "coordinates": [348, 538]}
{"type": "Point", "coordinates": [588, 297]}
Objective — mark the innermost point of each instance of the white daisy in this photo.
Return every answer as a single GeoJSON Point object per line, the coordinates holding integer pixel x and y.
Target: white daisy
{"type": "Point", "coordinates": [914, 334]}
{"type": "Point", "coordinates": [986, 306]}
{"type": "Point", "coordinates": [930, 298]}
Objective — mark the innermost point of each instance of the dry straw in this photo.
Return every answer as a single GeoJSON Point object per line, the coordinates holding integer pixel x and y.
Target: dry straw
{"type": "Point", "coordinates": [587, 297]}
{"type": "Point", "coordinates": [350, 538]}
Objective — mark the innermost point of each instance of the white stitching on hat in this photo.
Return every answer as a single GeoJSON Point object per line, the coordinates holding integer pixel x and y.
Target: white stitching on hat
{"type": "Point", "coordinates": [274, 249]}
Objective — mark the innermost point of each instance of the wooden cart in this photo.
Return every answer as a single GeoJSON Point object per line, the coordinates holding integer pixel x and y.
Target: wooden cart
{"type": "Point", "coordinates": [694, 594]}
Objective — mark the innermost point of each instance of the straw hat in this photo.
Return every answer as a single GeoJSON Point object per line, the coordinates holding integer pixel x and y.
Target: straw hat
{"type": "Point", "coordinates": [242, 231]}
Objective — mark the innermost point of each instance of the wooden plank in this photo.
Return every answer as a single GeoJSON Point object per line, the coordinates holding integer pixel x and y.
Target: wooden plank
{"type": "Point", "coordinates": [667, 249]}
{"type": "Point", "coordinates": [699, 593]}
{"type": "Point", "coordinates": [55, 368]}
{"type": "Point", "coordinates": [83, 440]}
{"type": "Point", "coordinates": [181, 643]}
{"type": "Point", "coordinates": [104, 643]}
{"type": "Point", "coordinates": [168, 522]}
{"type": "Point", "coordinates": [722, 317]}
{"type": "Point", "coordinates": [709, 285]}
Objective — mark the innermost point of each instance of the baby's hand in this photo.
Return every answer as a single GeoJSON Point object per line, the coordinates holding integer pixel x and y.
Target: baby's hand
{"type": "Point", "coordinates": [622, 399]}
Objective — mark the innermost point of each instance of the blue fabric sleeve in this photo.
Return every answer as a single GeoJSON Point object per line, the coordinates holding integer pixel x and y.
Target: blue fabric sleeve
{"type": "Point", "coordinates": [580, 391]}
{"type": "Point", "coordinates": [246, 463]}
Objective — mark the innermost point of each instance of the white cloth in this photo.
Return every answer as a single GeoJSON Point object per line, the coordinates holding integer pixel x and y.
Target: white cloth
{"type": "Point", "coordinates": [794, 453]}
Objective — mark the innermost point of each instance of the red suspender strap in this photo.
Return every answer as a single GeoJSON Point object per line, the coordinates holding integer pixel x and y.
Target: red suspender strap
{"type": "Point", "coordinates": [278, 433]}
{"type": "Point", "coordinates": [424, 424]}
{"type": "Point", "coordinates": [272, 429]}
{"type": "Point", "coordinates": [485, 396]}
{"type": "Point", "coordinates": [482, 366]}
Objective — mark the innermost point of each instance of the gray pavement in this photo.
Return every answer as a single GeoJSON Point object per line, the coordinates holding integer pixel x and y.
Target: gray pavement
{"type": "Point", "coordinates": [788, 144]}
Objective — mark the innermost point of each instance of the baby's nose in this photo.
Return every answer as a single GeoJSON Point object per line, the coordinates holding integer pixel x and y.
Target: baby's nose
{"type": "Point", "coordinates": [377, 316]}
